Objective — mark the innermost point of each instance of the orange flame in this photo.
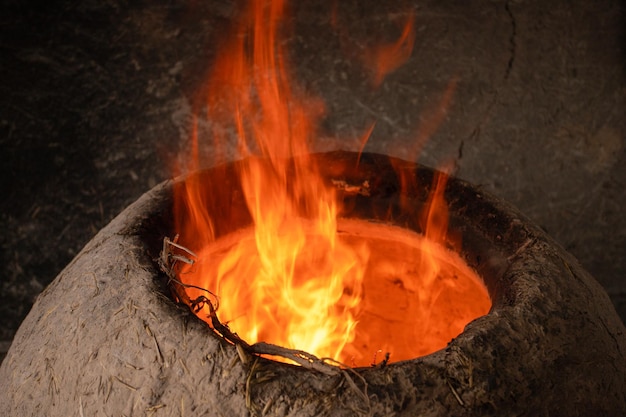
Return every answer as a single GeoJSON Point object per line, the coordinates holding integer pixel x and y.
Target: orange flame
{"type": "Point", "coordinates": [380, 59]}
{"type": "Point", "coordinates": [294, 284]}
{"type": "Point", "coordinates": [384, 59]}
{"type": "Point", "coordinates": [293, 281]}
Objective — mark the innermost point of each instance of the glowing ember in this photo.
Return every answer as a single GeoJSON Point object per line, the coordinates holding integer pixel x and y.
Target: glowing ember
{"type": "Point", "coordinates": [295, 278]}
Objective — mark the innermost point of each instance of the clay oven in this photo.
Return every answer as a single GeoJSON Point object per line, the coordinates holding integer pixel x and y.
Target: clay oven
{"type": "Point", "coordinates": [106, 337]}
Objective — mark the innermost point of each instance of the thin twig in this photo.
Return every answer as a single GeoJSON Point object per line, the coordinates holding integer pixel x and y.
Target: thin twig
{"type": "Point", "coordinates": [182, 284]}
{"type": "Point", "coordinates": [305, 359]}
{"type": "Point", "coordinates": [126, 384]}
{"type": "Point", "coordinates": [248, 379]}
{"type": "Point", "coordinates": [267, 406]}
{"type": "Point", "coordinates": [179, 246]}
{"type": "Point", "coordinates": [156, 345]}
{"type": "Point", "coordinates": [168, 257]}
{"type": "Point", "coordinates": [522, 248]}
{"type": "Point", "coordinates": [345, 372]}
{"type": "Point", "coordinates": [456, 394]}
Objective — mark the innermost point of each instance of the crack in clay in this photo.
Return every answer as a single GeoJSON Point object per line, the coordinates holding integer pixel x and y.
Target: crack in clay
{"type": "Point", "coordinates": [507, 72]}
{"type": "Point", "coordinates": [512, 41]}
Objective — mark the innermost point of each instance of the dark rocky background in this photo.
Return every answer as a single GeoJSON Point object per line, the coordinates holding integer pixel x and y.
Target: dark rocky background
{"type": "Point", "coordinates": [96, 99]}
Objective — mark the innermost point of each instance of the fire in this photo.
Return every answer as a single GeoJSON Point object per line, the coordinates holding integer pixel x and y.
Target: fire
{"type": "Point", "coordinates": [293, 283]}
{"type": "Point", "coordinates": [385, 59]}
{"type": "Point", "coordinates": [291, 279]}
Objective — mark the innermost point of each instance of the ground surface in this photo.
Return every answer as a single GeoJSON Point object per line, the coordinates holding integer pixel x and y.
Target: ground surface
{"type": "Point", "coordinates": [96, 100]}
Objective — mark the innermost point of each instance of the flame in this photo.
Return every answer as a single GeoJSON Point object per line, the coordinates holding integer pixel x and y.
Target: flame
{"type": "Point", "coordinates": [293, 280]}
{"type": "Point", "coordinates": [384, 59]}
{"type": "Point", "coordinates": [380, 59]}
{"type": "Point", "coordinates": [295, 283]}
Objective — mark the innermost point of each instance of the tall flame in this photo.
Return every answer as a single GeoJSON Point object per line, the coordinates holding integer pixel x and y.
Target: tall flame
{"type": "Point", "coordinates": [295, 284]}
